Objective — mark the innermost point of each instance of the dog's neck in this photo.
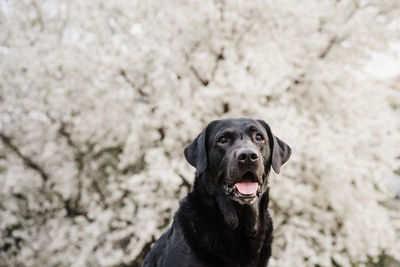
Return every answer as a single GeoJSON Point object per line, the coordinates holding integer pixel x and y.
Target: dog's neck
{"type": "Point", "coordinates": [245, 226]}
{"type": "Point", "coordinates": [234, 213]}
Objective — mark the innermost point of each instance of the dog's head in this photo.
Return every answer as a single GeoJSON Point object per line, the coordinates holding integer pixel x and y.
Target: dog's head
{"type": "Point", "coordinates": [234, 157]}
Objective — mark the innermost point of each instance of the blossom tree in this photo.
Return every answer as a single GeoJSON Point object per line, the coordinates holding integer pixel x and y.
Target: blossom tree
{"type": "Point", "coordinates": [99, 98]}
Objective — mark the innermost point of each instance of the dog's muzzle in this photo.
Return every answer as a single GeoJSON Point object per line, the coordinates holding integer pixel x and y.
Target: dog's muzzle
{"type": "Point", "coordinates": [245, 190]}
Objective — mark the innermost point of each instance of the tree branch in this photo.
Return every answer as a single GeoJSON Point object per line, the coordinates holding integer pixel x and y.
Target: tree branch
{"type": "Point", "coordinates": [197, 75]}
{"type": "Point", "coordinates": [27, 161]}
{"type": "Point", "coordinates": [333, 41]}
{"type": "Point", "coordinates": [143, 96]}
{"type": "Point", "coordinates": [185, 182]}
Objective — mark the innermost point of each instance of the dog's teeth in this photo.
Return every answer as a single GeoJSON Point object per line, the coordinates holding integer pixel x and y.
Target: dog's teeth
{"type": "Point", "coordinates": [228, 189]}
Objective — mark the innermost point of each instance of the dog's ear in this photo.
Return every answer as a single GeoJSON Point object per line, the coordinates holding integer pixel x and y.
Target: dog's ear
{"type": "Point", "coordinates": [280, 151]}
{"type": "Point", "coordinates": [196, 152]}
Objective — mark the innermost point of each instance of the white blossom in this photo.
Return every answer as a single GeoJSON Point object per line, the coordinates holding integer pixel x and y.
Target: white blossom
{"type": "Point", "coordinates": [99, 98]}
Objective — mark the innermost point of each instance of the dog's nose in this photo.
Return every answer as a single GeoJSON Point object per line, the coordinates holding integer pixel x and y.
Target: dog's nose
{"type": "Point", "coordinates": [247, 155]}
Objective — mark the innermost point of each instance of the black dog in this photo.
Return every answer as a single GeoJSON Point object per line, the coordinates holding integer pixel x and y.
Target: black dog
{"type": "Point", "coordinates": [224, 220]}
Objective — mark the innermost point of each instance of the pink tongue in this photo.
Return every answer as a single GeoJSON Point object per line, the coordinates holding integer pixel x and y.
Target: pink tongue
{"type": "Point", "coordinates": [247, 188]}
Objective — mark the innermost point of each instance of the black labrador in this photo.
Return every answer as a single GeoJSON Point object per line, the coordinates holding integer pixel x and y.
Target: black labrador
{"type": "Point", "coordinates": [224, 220]}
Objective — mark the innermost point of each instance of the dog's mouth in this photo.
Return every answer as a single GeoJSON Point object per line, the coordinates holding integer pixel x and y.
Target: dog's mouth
{"type": "Point", "coordinates": [246, 189]}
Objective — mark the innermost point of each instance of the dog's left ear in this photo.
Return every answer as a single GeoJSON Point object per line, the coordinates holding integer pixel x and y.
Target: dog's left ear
{"type": "Point", "coordinates": [196, 152]}
{"type": "Point", "coordinates": [280, 151]}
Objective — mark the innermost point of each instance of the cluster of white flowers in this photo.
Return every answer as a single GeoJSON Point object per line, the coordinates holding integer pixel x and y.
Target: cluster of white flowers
{"type": "Point", "coordinates": [98, 99]}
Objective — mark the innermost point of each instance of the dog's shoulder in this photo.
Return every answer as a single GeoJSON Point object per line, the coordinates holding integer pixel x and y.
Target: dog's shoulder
{"type": "Point", "coordinates": [155, 256]}
{"type": "Point", "coordinates": [172, 248]}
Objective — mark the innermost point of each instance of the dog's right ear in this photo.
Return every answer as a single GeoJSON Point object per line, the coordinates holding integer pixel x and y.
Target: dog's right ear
{"type": "Point", "coordinates": [196, 152]}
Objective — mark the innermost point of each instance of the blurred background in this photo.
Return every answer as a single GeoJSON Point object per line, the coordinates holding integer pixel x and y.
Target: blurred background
{"type": "Point", "coordinates": [99, 98]}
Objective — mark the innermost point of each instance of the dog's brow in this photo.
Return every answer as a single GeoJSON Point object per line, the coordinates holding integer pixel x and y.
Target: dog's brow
{"type": "Point", "coordinates": [252, 128]}
{"type": "Point", "coordinates": [227, 131]}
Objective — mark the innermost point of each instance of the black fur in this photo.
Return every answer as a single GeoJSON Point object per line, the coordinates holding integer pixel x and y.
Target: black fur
{"type": "Point", "coordinates": [213, 227]}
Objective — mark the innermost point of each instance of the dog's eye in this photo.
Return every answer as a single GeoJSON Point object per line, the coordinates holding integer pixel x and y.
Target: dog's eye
{"type": "Point", "coordinates": [259, 138]}
{"type": "Point", "coordinates": [222, 140]}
